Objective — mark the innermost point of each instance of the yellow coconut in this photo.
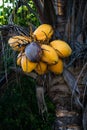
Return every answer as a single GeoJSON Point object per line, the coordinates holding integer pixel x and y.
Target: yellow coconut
{"type": "Point", "coordinates": [18, 43]}
{"type": "Point", "coordinates": [43, 32]}
{"type": "Point", "coordinates": [27, 65]}
{"type": "Point", "coordinates": [19, 57]}
{"type": "Point", "coordinates": [41, 68]}
{"type": "Point", "coordinates": [62, 48]}
{"type": "Point", "coordinates": [57, 68]}
{"type": "Point", "coordinates": [49, 55]}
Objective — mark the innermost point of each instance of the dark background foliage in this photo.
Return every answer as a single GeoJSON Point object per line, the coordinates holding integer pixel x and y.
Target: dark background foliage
{"type": "Point", "coordinates": [18, 107]}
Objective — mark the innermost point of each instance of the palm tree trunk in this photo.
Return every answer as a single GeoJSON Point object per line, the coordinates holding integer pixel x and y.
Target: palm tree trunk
{"type": "Point", "coordinates": [68, 106]}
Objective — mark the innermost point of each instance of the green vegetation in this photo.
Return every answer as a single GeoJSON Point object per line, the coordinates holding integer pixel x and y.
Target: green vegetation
{"type": "Point", "coordinates": [22, 15]}
{"type": "Point", "coordinates": [19, 110]}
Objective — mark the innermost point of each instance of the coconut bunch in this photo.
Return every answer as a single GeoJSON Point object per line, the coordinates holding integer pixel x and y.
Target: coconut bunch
{"type": "Point", "coordinates": [39, 53]}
